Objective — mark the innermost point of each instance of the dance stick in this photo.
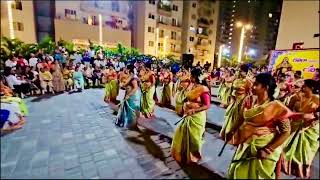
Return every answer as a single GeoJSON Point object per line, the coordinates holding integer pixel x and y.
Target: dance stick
{"type": "Point", "coordinates": [222, 149]}
{"type": "Point", "coordinates": [180, 119]}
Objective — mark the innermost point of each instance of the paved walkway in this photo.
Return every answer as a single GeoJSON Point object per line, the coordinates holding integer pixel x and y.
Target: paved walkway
{"type": "Point", "coordinates": [69, 137]}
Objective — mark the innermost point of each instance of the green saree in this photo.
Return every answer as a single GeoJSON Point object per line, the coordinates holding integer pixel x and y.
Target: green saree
{"type": "Point", "coordinates": [187, 139]}
{"type": "Point", "coordinates": [167, 95]}
{"type": "Point", "coordinates": [21, 103]}
{"type": "Point", "coordinates": [147, 101]}
{"type": "Point", "coordinates": [245, 163]}
{"type": "Point", "coordinates": [111, 90]}
{"type": "Point", "coordinates": [180, 97]}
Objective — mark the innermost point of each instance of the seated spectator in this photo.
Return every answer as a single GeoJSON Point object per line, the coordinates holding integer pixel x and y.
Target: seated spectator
{"type": "Point", "coordinates": [96, 77]}
{"type": "Point", "coordinates": [32, 77]}
{"type": "Point", "coordinates": [21, 87]}
{"type": "Point", "coordinates": [78, 79]}
{"type": "Point", "coordinates": [87, 73]}
{"type": "Point", "coordinates": [67, 76]}
{"type": "Point", "coordinates": [22, 62]}
{"type": "Point", "coordinates": [57, 81]}
{"type": "Point", "coordinates": [5, 90]}
{"type": "Point", "coordinates": [46, 80]}
{"type": "Point", "coordinates": [33, 61]}
{"type": "Point", "coordinates": [11, 118]}
{"type": "Point", "coordinates": [11, 62]}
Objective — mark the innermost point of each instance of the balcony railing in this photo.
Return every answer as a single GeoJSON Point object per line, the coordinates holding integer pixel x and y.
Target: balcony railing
{"type": "Point", "coordinates": [165, 7]}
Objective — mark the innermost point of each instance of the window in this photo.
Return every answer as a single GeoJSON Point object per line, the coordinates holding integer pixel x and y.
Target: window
{"type": "Point", "coordinates": [200, 30]}
{"type": "Point", "coordinates": [191, 38]}
{"type": "Point", "coordinates": [151, 29]}
{"type": "Point", "coordinates": [160, 46]}
{"type": "Point", "coordinates": [151, 16]}
{"type": "Point", "coordinates": [18, 26]}
{"type": "Point", "coordinates": [161, 33]}
{"type": "Point", "coordinates": [172, 47]}
{"type": "Point", "coordinates": [194, 5]}
{"type": "Point", "coordinates": [175, 8]}
{"type": "Point", "coordinates": [115, 6]}
{"type": "Point", "coordinates": [174, 22]}
{"type": "Point", "coordinates": [161, 19]}
{"type": "Point", "coordinates": [211, 21]}
{"type": "Point", "coordinates": [193, 16]}
{"type": "Point", "coordinates": [173, 35]}
{"type": "Point", "coordinates": [152, 2]}
{"type": "Point", "coordinates": [209, 41]}
{"type": "Point", "coordinates": [70, 14]}
{"type": "Point", "coordinates": [151, 43]}
{"type": "Point", "coordinates": [16, 5]}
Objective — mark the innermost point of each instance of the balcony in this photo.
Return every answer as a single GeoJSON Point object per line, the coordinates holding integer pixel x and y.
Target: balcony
{"type": "Point", "coordinates": [164, 9]}
{"type": "Point", "coordinates": [167, 25]}
{"type": "Point", "coordinates": [202, 45]}
{"type": "Point", "coordinates": [203, 35]}
{"type": "Point", "coordinates": [203, 22]}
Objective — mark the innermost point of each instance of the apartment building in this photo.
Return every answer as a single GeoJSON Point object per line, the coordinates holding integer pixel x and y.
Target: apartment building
{"type": "Point", "coordinates": [261, 19]}
{"type": "Point", "coordinates": [199, 29]}
{"type": "Point", "coordinates": [101, 22]}
{"type": "Point", "coordinates": [17, 20]}
{"type": "Point", "coordinates": [157, 27]}
{"type": "Point", "coordinates": [299, 23]}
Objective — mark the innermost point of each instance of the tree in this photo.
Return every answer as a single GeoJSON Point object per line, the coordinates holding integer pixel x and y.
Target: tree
{"type": "Point", "coordinates": [47, 45]}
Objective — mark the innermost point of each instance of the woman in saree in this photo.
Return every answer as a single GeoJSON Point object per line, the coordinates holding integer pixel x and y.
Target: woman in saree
{"type": "Point", "coordinates": [187, 139]}
{"type": "Point", "coordinates": [111, 87]}
{"type": "Point", "coordinates": [166, 98]}
{"type": "Point", "coordinates": [7, 97]}
{"type": "Point", "coordinates": [78, 79]}
{"type": "Point", "coordinates": [184, 83]}
{"type": "Point", "coordinates": [130, 107]}
{"type": "Point", "coordinates": [148, 88]}
{"type": "Point", "coordinates": [264, 129]}
{"type": "Point", "coordinates": [57, 79]}
{"type": "Point", "coordinates": [240, 89]}
{"type": "Point", "coordinates": [303, 142]}
{"type": "Point", "coordinates": [225, 92]}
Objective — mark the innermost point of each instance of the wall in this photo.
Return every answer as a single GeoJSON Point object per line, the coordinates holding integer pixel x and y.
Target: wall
{"type": "Point", "coordinates": [299, 22]}
{"type": "Point", "coordinates": [69, 29]}
{"type": "Point", "coordinates": [25, 16]}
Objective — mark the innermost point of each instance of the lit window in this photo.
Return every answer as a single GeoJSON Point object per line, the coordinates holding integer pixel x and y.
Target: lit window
{"type": "Point", "coordinates": [232, 15]}
{"type": "Point", "coordinates": [230, 37]}
{"type": "Point", "coordinates": [229, 42]}
{"type": "Point", "coordinates": [230, 33]}
{"type": "Point", "coordinates": [161, 33]}
{"type": "Point", "coordinates": [151, 43]}
{"type": "Point", "coordinates": [231, 24]}
{"type": "Point", "coordinates": [231, 29]}
{"type": "Point", "coordinates": [173, 35]}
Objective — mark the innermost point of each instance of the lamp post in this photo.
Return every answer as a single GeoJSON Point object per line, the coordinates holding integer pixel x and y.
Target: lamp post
{"type": "Point", "coordinates": [220, 55]}
{"type": "Point", "coordinates": [100, 29]}
{"type": "Point", "coordinates": [10, 19]}
{"type": "Point", "coordinates": [244, 27]}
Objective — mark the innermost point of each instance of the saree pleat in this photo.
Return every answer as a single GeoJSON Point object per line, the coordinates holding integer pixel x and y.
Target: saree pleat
{"type": "Point", "coordinates": [167, 94]}
{"type": "Point", "coordinates": [111, 90]}
{"type": "Point", "coordinates": [246, 165]}
{"type": "Point", "coordinates": [22, 105]}
{"type": "Point", "coordinates": [300, 149]}
{"type": "Point", "coordinates": [127, 113]}
{"type": "Point", "coordinates": [147, 102]}
{"type": "Point", "coordinates": [187, 139]}
{"type": "Point", "coordinates": [180, 97]}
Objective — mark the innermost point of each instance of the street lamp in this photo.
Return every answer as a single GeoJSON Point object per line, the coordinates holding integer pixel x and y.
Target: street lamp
{"type": "Point", "coordinates": [10, 19]}
{"type": "Point", "coordinates": [244, 27]}
{"type": "Point", "coordinates": [220, 55]}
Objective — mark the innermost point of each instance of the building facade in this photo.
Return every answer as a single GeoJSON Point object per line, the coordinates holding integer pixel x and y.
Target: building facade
{"type": "Point", "coordinates": [157, 29]}
{"type": "Point", "coordinates": [199, 29]}
{"type": "Point", "coordinates": [299, 23]}
{"type": "Point", "coordinates": [101, 22]}
{"type": "Point", "coordinates": [18, 20]}
{"type": "Point", "coordinates": [260, 20]}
